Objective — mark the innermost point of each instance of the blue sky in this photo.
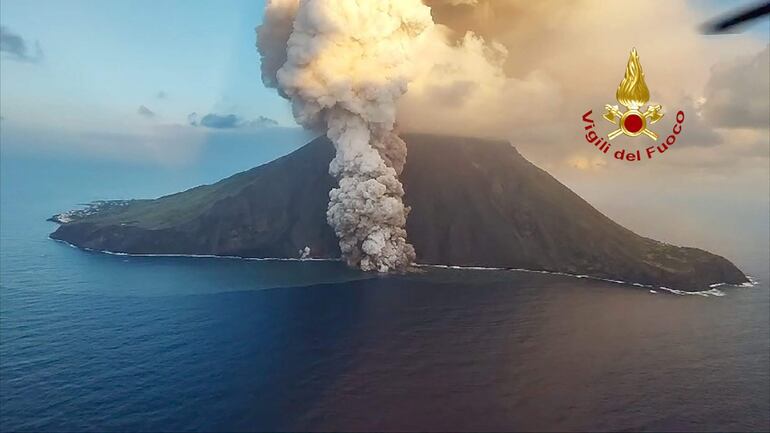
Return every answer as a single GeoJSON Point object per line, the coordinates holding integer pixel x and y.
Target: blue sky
{"type": "Point", "coordinates": [104, 59]}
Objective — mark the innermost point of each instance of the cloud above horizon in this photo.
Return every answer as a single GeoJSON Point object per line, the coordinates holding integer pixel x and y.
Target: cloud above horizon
{"type": "Point", "coordinates": [145, 112]}
{"type": "Point", "coordinates": [526, 72]}
{"type": "Point", "coordinates": [229, 121]}
{"type": "Point", "coordinates": [16, 48]}
{"type": "Point", "coordinates": [737, 94]}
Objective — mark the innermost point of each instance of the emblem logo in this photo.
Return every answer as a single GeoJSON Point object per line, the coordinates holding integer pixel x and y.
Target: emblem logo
{"type": "Point", "coordinates": [635, 120]}
{"type": "Point", "coordinates": [633, 93]}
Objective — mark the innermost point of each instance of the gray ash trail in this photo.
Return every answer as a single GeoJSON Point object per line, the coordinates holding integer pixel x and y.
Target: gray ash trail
{"type": "Point", "coordinates": [343, 67]}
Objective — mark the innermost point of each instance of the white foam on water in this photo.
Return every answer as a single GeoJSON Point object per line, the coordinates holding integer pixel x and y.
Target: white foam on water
{"type": "Point", "coordinates": [201, 256]}
{"type": "Point", "coordinates": [704, 293]}
{"type": "Point", "coordinates": [753, 282]}
{"type": "Point", "coordinates": [713, 291]}
{"type": "Point", "coordinates": [475, 268]}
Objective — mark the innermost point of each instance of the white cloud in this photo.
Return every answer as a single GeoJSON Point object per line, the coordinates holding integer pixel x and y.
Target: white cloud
{"type": "Point", "coordinates": [738, 92]}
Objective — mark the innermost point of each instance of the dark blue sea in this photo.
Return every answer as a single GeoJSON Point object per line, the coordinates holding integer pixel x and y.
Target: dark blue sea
{"type": "Point", "coordinates": [96, 342]}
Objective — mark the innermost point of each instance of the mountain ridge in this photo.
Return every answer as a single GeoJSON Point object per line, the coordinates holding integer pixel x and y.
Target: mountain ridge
{"type": "Point", "coordinates": [474, 203]}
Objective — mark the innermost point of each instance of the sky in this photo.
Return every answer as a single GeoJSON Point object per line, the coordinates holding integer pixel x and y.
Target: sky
{"type": "Point", "coordinates": [103, 60]}
{"type": "Point", "coordinates": [112, 65]}
{"type": "Point", "coordinates": [122, 78]}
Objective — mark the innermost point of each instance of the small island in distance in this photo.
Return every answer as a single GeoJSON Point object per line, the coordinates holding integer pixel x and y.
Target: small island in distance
{"type": "Point", "coordinates": [473, 202]}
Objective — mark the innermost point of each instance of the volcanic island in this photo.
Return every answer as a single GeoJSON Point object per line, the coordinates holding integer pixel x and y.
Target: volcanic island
{"type": "Point", "coordinates": [474, 202]}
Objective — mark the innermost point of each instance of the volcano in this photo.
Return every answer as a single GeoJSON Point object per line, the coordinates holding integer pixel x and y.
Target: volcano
{"type": "Point", "coordinates": [474, 203]}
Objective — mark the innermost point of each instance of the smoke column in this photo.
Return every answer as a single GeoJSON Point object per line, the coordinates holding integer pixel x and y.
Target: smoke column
{"type": "Point", "coordinates": [343, 64]}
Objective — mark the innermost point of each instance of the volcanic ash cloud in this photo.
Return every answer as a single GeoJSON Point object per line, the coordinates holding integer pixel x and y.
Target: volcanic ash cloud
{"type": "Point", "coordinates": [343, 64]}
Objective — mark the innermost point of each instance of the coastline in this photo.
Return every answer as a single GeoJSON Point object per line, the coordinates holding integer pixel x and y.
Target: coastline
{"type": "Point", "coordinates": [712, 291]}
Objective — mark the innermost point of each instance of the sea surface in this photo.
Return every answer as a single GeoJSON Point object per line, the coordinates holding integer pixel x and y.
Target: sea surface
{"type": "Point", "coordinates": [97, 342]}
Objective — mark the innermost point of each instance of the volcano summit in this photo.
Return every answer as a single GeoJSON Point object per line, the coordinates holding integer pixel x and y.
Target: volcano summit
{"type": "Point", "coordinates": [473, 203]}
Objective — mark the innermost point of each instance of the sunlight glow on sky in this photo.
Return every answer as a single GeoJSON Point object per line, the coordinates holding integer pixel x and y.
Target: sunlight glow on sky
{"type": "Point", "coordinates": [102, 60]}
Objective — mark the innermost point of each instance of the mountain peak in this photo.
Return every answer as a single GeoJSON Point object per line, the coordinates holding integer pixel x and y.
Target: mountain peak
{"type": "Point", "coordinates": [475, 202]}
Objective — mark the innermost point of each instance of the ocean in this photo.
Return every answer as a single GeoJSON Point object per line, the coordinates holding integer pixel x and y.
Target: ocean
{"type": "Point", "coordinates": [97, 342]}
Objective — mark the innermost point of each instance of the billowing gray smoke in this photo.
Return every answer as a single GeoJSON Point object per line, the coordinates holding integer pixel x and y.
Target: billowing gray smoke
{"type": "Point", "coordinates": [343, 64]}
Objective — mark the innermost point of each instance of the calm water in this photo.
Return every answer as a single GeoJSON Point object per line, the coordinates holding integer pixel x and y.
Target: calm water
{"type": "Point", "coordinates": [108, 343]}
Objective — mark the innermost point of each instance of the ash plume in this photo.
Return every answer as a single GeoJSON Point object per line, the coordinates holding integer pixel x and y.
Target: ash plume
{"type": "Point", "coordinates": [343, 64]}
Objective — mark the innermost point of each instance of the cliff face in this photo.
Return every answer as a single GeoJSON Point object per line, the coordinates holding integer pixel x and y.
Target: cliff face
{"type": "Point", "coordinates": [474, 202]}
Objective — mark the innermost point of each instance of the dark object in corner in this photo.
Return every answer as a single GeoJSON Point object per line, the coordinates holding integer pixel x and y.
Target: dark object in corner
{"type": "Point", "coordinates": [729, 21]}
